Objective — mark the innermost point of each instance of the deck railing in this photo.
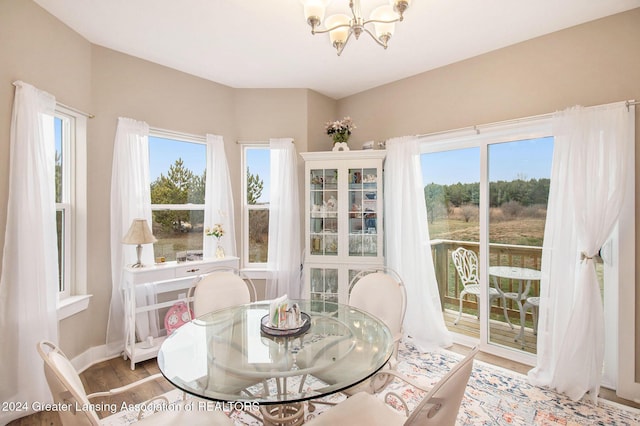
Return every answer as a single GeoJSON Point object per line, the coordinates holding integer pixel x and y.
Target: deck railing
{"type": "Point", "coordinates": [448, 279]}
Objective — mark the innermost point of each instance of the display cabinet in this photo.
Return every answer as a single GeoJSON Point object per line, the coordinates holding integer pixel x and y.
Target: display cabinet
{"type": "Point", "coordinates": [344, 218]}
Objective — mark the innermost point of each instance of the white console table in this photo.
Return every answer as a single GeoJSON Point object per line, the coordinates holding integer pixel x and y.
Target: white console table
{"type": "Point", "coordinates": [161, 274]}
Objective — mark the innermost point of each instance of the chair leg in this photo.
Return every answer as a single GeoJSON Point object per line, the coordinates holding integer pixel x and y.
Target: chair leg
{"type": "Point", "coordinates": [534, 313]}
{"type": "Point", "coordinates": [504, 310]}
{"type": "Point", "coordinates": [523, 315]}
{"type": "Point", "coordinates": [462, 294]}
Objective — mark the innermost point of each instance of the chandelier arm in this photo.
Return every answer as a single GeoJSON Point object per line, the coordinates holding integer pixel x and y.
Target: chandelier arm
{"type": "Point", "coordinates": [331, 29]}
{"type": "Point", "coordinates": [345, 43]}
{"type": "Point", "coordinates": [378, 21]}
{"type": "Point", "coordinates": [374, 38]}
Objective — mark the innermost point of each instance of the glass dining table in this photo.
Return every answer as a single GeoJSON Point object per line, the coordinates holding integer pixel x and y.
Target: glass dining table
{"type": "Point", "coordinates": [228, 356]}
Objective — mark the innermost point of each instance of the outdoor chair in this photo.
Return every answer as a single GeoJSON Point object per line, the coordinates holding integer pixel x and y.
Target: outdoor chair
{"type": "Point", "coordinates": [532, 303]}
{"type": "Point", "coordinates": [67, 390]}
{"type": "Point", "coordinates": [439, 407]}
{"type": "Point", "coordinates": [466, 263]}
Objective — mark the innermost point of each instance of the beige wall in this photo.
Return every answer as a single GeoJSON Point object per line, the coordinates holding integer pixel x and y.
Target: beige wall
{"type": "Point", "coordinates": [591, 64]}
{"type": "Point", "coordinates": [40, 50]}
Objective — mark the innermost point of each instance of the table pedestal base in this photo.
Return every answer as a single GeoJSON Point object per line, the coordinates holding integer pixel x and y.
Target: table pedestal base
{"type": "Point", "coordinates": [283, 415]}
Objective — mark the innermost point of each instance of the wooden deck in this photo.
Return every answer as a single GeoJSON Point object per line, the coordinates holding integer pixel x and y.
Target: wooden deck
{"type": "Point", "coordinates": [499, 333]}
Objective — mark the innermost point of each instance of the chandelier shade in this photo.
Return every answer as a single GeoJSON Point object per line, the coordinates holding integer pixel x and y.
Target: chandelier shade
{"type": "Point", "coordinates": [340, 27]}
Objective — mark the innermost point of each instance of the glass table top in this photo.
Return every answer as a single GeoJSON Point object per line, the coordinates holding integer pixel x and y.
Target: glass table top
{"type": "Point", "coordinates": [224, 355]}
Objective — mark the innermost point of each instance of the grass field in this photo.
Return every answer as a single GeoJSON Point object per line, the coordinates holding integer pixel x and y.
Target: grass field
{"type": "Point", "coordinates": [520, 231]}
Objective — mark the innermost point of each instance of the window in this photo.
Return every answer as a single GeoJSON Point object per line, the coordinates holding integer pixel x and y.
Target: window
{"type": "Point", "coordinates": [177, 167]}
{"type": "Point", "coordinates": [256, 197]}
{"type": "Point", "coordinates": [69, 129]}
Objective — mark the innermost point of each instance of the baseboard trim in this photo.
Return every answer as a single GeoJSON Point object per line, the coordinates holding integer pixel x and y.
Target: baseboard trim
{"type": "Point", "coordinates": [92, 356]}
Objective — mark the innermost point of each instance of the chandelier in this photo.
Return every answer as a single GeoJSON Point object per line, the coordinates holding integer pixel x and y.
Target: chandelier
{"type": "Point", "coordinates": [341, 27]}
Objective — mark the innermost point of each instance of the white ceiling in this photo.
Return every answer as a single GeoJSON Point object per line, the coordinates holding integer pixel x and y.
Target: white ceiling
{"type": "Point", "coordinates": [268, 44]}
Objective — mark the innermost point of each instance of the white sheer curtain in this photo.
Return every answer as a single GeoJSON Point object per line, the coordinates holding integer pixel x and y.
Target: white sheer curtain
{"type": "Point", "coordinates": [218, 199]}
{"type": "Point", "coordinates": [29, 282]}
{"type": "Point", "coordinates": [408, 249]}
{"type": "Point", "coordinates": [590, 164]}
{"type": "Point", "coordinates": [130, 199]}
{"type": "Point", "coordinates": [284, 222]}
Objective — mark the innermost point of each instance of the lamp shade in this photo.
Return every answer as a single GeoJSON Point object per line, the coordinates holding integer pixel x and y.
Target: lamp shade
{"type": "Point", "coordinates": [384, 13]}
{"type": "Point", "coordinates": [339, 35]}
{"type": "Point", "coordinates": [314, 9]}
{"type": "Point", "coordinates": [139, 233]}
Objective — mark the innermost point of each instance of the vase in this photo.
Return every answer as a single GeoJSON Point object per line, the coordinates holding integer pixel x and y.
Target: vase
{"type": "Point", "coordinates": [219, 250]}
{"type": "Point", "coordinates": [340, 137]}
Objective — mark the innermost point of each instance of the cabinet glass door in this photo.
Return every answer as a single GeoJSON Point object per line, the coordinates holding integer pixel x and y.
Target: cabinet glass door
{"type": "Point", "coordinates": [324, 285]}
{"type": "Point", "coordinates": [363, 212]}
{"type": "Point", "coordinates": [324, 212]}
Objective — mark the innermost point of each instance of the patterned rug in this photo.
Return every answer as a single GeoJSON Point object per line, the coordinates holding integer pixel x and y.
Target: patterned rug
{"type": "Point", "coordinates": [494, 396]}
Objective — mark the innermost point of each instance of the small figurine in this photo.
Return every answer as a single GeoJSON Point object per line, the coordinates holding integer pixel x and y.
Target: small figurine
{"type": "Point", "coordinates": [296, 315]}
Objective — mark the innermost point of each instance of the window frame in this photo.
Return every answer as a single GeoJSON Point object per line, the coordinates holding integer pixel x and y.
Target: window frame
{"type": "Point", "coordinates": [184, 138]}
{"type": "Point", "coordinates": [256, 269]}
{"type": "Point", "coordinates": [73, 205]}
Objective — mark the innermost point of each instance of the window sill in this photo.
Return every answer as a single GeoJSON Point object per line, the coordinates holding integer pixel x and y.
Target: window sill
{"type": "Point", "coordinates": [72, 305]}
{"type": "Point", "coordinates": [256, 274]}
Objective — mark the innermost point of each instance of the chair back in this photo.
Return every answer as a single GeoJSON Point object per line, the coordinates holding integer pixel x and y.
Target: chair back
{"type": "Point", "coordinates": [66, 387]}
{"type": "Point", "coordinates": [441, 405]}
{"type": "Point", "coordinates": [466, 263]}
{"type": "Point", "coordinates": [221, 288]}
{"type": "Point", "coordinates": [381, 293]}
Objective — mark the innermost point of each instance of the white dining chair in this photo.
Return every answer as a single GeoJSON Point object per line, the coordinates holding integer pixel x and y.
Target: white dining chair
{"type": "Point", "coordinates": [220, 288]}
{"type": "Point", "coordinates": [439, 407]}
{"type": "Point", "coordinates": [466, 263]}
{"type": "Point", "coordinates": [380, 292]}
{"type": "Point", "coordinates": [67, 390]}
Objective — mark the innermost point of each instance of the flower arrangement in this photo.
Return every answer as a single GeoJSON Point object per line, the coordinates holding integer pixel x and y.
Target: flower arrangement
{"type": "Point", "coordinates": [340, 130]}
{"type": "Point", "coordinates": [217, 231]}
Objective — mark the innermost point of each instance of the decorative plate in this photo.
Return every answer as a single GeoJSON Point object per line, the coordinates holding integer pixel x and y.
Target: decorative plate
{"type": "Point", "coordinates": [270, 330]}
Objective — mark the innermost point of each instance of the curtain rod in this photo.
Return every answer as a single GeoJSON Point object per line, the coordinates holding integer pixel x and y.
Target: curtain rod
{"type": "Point", "coordinates": [70, 108]}
{"type": "Point", "coordinates": [476, 127]}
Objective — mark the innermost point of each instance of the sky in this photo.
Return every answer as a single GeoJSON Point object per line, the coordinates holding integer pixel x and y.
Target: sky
{"type": "Point", "coordinates": [258, 162]}
{"type": "Point", "coordinates": [527, 159]}
{"type": "Point", "coordinates": [163, 153]}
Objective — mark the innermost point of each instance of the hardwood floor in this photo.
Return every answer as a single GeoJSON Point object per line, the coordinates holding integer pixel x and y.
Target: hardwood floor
{"type": "Point", "coordinates": [116, 372]}
{"type": "Point", "coordinates": [104, 376]}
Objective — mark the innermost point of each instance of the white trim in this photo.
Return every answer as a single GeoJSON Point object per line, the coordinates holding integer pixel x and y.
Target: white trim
{"type": "Point", "coordinates": [256, 273]}
{"type": "Point", "coordinates": [179, 136]}
{"type": "Point", "coordinates": [628, 386]}
{"type": "Point", "coordinates": [74, 206]}
{"type": "Point", "coordinates": [72, 305]}
{"type": "Point", "coordinates": [91, 356]}
{"type": "Point", "coordinates": [188, 206]}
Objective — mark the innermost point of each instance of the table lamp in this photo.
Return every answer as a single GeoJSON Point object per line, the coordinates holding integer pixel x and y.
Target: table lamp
{"type": "Point", "coordinates": [139, 233]}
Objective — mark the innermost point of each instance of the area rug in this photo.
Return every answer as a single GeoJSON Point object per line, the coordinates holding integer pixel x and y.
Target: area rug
{"type": "Point", "coordinates": [494, 396]}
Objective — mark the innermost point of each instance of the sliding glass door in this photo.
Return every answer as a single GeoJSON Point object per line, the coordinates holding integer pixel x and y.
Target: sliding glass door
{"type": "Point", "coordinates": [518, 182]}
{"type": "Point", "coordinates": [486, 198]}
